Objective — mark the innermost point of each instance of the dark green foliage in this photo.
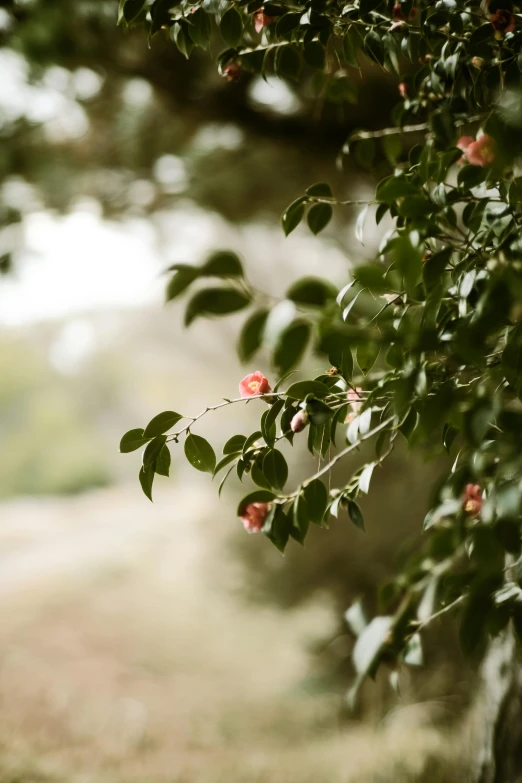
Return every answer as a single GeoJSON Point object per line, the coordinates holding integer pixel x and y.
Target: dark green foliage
{"type": "Point", "coordinates": [433, 320]}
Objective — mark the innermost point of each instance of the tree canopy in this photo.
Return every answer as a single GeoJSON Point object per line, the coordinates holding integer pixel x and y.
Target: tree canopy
{"type": "Point", "coordinates": [423, 342]}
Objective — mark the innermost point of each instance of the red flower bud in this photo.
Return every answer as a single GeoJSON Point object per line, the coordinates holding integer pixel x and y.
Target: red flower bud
{"type": "Point", "coordinates": [473, 501]}
{"type": "Point", "coordinates": [254, 515]}
{"type": "Point", "coordinates": [398, 13]}
{"type": "Point", "coordinates": [503, 21]}
{"type": "Point", "coordinates": [262, 20]}
{"type": "Point", "coordinates": [231, 72]}
{"type": "Point", "coordinates": [299, 421]}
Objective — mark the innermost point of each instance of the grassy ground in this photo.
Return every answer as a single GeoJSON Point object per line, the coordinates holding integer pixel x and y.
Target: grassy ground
{"type": "Point", "coordinates": [129, 655]}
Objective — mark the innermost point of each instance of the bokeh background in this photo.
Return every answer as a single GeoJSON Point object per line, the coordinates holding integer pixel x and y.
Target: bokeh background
{"type": "Point", "coordinates": [158, 642]}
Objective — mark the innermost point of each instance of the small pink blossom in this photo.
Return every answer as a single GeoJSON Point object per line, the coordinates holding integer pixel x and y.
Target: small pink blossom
{"type": "Point", "coordinates": [398, 13]}
{"type": "Point", "coordinates": [253, 385]}
{"type": "Point", "coordinates": [464, 142]}
{"type": "Point", "coordinates": [479, 152]}
{"type": "Point", "coordinates": [403, 89]}
{"type": "Point", "coordinates": [473, 501]}
{"type": "Point", "coordinates": [262, 20]}
{"type": "Point", "coordinates": [231, 72]}
{"type": "Point", "coordinates": [254, 515]}
{"type": "Point", "coordinates": [299, 421]}
{"type": "Point", "coordinates": [356, 402]}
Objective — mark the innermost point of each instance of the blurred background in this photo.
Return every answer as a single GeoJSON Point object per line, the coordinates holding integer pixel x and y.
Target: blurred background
{"type": "Point", "coordinates": [158, 642]}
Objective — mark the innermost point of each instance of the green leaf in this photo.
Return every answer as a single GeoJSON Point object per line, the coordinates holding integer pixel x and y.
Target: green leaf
{"type": "Point", "coordinates": [231, 27]}
{"type": "Point", "coordinates": [300, 518]}
{"type": "Point", "coordinates": [301, 389]}
{"type": "Point", "coordinates": [287, 62]}
{"type": "Point", "coordinates": [373, 47]}
{"type": "Point", "coordinates": [286, 24]}
{"type": "Point", "coordinates": [278, 527]}
{"type": "Point", "coordinates": [200, 453]}
{"type": "Point", "coordinates": [153, 449]}
{"type": "Point", "coordinates": [272, 413]}
{"type": "Point", "coordinates": [291, 346]}
{"type": "Point", "coordinates": [268, 430]}
{"type": "Point", "coordinates": [359, 224]}
{"type": "Point", "coordinates": [223, 263]}
{"type": "Point", "coordinates": [366, 6]}
{"type": "Point", "coordinates": [392, 188]}
{"type": "Point", "coordinates": [251, 335]}
{"type": "Point", "coordinates": [355, 514]}
{"type": "Point", "coordinates": [180, 36]}
{"type": "Point", "coordinates": [162, 464]}
{"type": "Point", "coordinates": [132, 9]}
{"type": "Point", "coordinates": [315, 54]}
{"type": "Point", "coordinates": [258, 496]}
{"type": "Point", "coordinates": [215, 301]}
{"type": "Point", "coordinates": [132, 440]}
{"type": "Point", "coordinates": [293, 215]}
{"type": "Point", "coordinates": [320, 189]}
{"type": "Point", "coordinates": [341, 89]}
{"type": "Point", "coordinates": [318, 217]}
{"type": "Point", "coordinates": [471, 176]}
{"type": "Point", "coordinates": [257, 435]}
{"type": "Point", "coordinates": [179, 282]}
{"type": "Point", "coordinates": [234, 444]}
{"type": "Point", "coordinates": [161, 423]}
{"type": "Point", "coordinates": [435, 266]}
{"type": "Point", "coordinates": [316, 496]}
{"type": "Point", "coordinates": [366, 476]}
{"type": "Point", "coordinates": [275, 468]}
{"type": "Point", "coordinates": [311, 291]}
{"type": "Point", "coordinates": [226, 460]}
{"type": "Point", "coordinates": [257, 474]}
{"type": "Point", "coordinates": [146, 477]}
{"type": "Point", "coordinates": [367, 354]}
{"type": "Point", "coordinates": [370, 644]}
{"type": "Point", "coordinates": [199, 27]}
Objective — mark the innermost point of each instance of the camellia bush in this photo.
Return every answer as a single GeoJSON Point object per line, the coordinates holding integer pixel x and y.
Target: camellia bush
{"type": "Point", "coordinates": [424, 342]}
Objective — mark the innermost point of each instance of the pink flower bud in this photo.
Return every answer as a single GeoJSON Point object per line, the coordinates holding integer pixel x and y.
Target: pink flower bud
{"type": "Point", "coordinates": [254, 515]}
{"type": "Point", "coordinates": [398, 13]}
{"type": "Point", "coordinates": [473, 501]}
{"type": "Point", "coordinates": [262, 20]}
{"type": "Point", "coordinates": [299, 421]}
{"type": "Point", "coordinates": [355, 399]}
{"type": "Point", "coordinates": [403, 89]}
{"type": "Point", "coordinates": [254, 385]}
{"type": "Point", "coordinates": [231, 72]}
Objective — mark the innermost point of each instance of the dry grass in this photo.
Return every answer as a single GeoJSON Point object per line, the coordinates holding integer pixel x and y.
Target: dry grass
{"type": "Point", "coordinates": [128, 656]}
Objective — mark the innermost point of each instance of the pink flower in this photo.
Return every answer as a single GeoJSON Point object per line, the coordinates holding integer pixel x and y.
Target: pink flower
{"type": "Point", "coordinates": [231, 72]}
{"type": "Point", "coordinates": [398, 13]}
{"type": "Point", "coordinates": [254, 515]}
{"type": "Point", "coordinates": [356, 403]}
{"type": "Point", "coordinates": [464, 142]}
{"type": "Point", "coordinates": [299, 421]}
{"type": "Point", "coordinates": [479, 152]}
{"type": "Point", "coordinates": [262, 20]}
{"type": "Point", "coordinates": [503, 21]}
{"type": "Point", "coordinates": [472, 502]}
{"type": "Point", "coordinates": [403, 89]}
{"type": "Point", "coordinates": [253, 385]}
